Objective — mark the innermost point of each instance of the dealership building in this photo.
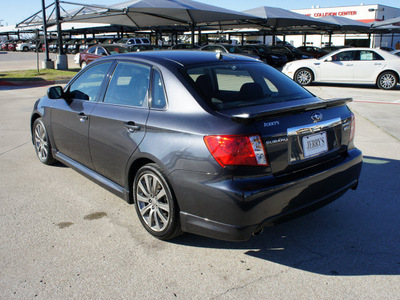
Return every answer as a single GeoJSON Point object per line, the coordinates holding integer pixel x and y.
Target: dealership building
{"type": "Point", "coordinates": [362, 13]}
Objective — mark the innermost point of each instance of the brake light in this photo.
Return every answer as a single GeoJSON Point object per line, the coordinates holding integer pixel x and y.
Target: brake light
{"type": "Point", "coordinates": [233, 150]}
{"type": "Point", "coordinates": [352, 127]}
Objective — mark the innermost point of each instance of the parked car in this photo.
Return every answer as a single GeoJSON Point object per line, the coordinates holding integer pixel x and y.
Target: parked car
{"type": "Point", "coordinates": [4, 45]}
{"type": "Point", "coordinates": [290, 52]}
{"type": "Point", "coordinates": [138, 48]}
{"type": "Point", "coordinates": [275, 60]}
{"type": "Point", "coordinates": [184, 47]}
{"type": "Point", "coordinates": [396, 52]}
{"type": "Point", "coordinates": [227, 48]}
{"type": "Point", "coordinates": [216, 145]}
{"type": "Point", "coordinates": [37, 44]}
{"type": "Point", "coordinates": [388, 49]}
{"type": "Point", "coordinates": [100, 50]}
{"type": "Point", "coordinates": [24, 46]}
{"type": "Point", "coordinates": [315, 52]}
{"type": "Point", "coordinates": [353, 65]}
{"type": "Point", "coordinates": [329, 49]}
{"type": "Point", "coordinates": [74, 46]}
{"type": "Point", "coordinates": [13, 45]}
{"type": "Point", "coordinates": [138, 41]}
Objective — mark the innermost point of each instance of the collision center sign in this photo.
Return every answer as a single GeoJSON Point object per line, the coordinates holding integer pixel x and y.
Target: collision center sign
{"type": "Point", "coordinates": [333, 13]}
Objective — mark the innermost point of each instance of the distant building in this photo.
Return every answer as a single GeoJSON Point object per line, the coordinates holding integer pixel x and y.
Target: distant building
{"type": "Point", "coordinates": [362, 13]}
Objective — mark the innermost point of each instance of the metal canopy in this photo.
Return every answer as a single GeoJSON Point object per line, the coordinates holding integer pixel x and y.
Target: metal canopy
{"type": "Point", "coordinates": [394, 21]}
{"type": "Point", "coordinates": [156, 13]}
{"type": "Point", "coordinates": [281, 19]}
{"type": "Point", "coordinates": [346, 24]}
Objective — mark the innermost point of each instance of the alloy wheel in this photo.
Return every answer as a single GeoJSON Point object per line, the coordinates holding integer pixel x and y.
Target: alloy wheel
{"type": "Point", "coordinates": [41, 142]}
{"type": "Point", "coordinates": [153, 202]}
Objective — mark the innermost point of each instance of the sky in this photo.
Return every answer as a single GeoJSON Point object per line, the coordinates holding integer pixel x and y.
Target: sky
{"type": "Point", "coordinates": [16, 11]}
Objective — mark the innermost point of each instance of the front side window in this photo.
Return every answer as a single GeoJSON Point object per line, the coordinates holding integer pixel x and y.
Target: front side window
{"type": "Point", "coordinates": [344, 56]}
{"type": "Point", "coordinates": [88, 84]}
{"type": "Point", "coordinates": [92, 49]}
{"type": "Point", "coordinates": [129, 85]}
{"type": "Point", "coordinates": [227, 86]}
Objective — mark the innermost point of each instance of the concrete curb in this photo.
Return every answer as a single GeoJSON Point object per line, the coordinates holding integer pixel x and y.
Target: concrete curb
{"type": "Point", "coordinates": [32, 83]}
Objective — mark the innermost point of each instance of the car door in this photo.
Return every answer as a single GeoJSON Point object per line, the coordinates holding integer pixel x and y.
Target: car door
{"type": "Point", "coordinates": [367, 66]}
{"type": "Point", "coordinates": [339, 68]}
{"type": "Point", "coordinates": [118, 124]}
{"type": "Point", "coordinates": [70, 118]}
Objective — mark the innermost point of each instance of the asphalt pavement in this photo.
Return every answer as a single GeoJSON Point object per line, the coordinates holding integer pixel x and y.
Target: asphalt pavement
{"type": "Point", "coordinates": [65, 237]}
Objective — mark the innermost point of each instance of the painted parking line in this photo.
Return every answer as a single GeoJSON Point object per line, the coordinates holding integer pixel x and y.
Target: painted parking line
{"type": "Point", "coordinates": [377, 102]}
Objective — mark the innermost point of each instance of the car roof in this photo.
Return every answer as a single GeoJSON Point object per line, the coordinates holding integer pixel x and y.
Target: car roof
{"type": "Point", "coordinates": [183, 57]}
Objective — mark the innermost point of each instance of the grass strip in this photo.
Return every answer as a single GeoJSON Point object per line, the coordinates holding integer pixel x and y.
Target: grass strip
{"type": "Point", "coordinates": [33, 75]}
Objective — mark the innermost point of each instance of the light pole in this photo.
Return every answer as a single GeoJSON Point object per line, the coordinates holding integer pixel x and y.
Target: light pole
{"type": "Point", "coordinates": [62, 61]}
{"type": "Point", "coordinates": [48, 63]}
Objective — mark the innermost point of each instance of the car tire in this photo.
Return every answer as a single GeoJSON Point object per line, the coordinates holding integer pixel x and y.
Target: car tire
{"type": "Point", "coordinates": [42, 143]}
{"type": "Point", "coordinates": [155, 203]}
{"type": "Point", "coordinates": [304, 76]}
{"type": "Point", "coordinates": [387, 80]}
{"type": "Point", "coordinates": [25, 49]}
{"type": "Point", "coordinates": [83, 64]}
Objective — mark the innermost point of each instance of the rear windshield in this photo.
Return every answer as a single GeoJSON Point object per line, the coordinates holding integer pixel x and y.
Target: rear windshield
{"type": "Point", "coordinates": [116, 49]}
{"type": "Point", "coordinates": [227, 86]}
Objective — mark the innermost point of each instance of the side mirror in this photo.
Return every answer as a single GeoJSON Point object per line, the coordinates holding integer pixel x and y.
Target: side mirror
{"type": "Point", "coordinates": [55, 92]}
{"type": "Point", "coordinates": [329, 59]}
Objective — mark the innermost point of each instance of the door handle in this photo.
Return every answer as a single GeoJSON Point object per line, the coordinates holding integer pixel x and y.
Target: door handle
{"type": "Point", "coordinates": [378, 64]}
{"type": "Point", "coordinates": [82, 117]}
{"type": "Point", "coordinates": [349, 65]}
{"type": "Point", "coordinates": [131, 127]}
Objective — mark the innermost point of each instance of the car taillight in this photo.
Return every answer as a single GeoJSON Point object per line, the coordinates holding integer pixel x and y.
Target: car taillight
{"type": "Point", "coordinates": [352, 127]}
{"type": "Point", "coordinates": [233, 150]}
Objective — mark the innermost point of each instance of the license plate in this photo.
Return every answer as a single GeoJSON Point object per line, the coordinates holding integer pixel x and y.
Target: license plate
{"type": "Point", "coordinates": [315, 144]}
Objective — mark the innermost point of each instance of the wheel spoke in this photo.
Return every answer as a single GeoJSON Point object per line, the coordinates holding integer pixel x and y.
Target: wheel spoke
{"type": "Point", "coordinates": [162, 217]}
{"type": "Point", "coordinates": [160, 194]}
{"type": "Point", "coordinates": [143, 189]}
{"type": "Point", "coordinates": [163, 206]}
{"type": "Point", "coordinates": [157, 225]}
{"type": "Point", "coordinates": [145, 210]}
{"type": "Point", "coordinates": [142, 199]}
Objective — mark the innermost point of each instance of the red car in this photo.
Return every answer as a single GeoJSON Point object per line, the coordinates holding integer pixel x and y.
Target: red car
{"type": "Point", "coordinates": [11, 47]}
{"type": "Point", "coordinates": [4, 46]}
{"type": "Point", "coordinates": [100, 50]}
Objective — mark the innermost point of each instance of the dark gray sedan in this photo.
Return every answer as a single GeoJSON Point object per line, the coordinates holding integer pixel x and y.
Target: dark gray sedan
{"type": "Point", "coordinates": [200, 142]}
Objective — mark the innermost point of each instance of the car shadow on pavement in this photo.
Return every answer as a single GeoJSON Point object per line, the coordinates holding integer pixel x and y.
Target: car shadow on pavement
{"type": "Point", "coordinates": [357, 234]}
{"type": "Point", "coordinates": [349, 85]}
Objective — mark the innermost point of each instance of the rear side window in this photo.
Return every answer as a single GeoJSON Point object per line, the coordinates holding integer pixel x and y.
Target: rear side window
{"type": "Point", "coordinates": [227, 86]}
{"type": "Point", "coordinates": [129, 85]}
{"type": "Point", "coordinates": [369, 55]}
{"type": "Point", "coordinates": [158, 93]}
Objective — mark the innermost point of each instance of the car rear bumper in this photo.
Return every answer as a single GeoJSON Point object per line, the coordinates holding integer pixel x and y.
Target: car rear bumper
{"type": "Point", "coordinates": [268, 200]}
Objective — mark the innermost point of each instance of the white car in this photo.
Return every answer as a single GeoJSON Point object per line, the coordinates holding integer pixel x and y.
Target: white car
{"type": "Point", "coordinates": [350, 65]}
{"type": "Point", "coordinates": [24, 46]}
